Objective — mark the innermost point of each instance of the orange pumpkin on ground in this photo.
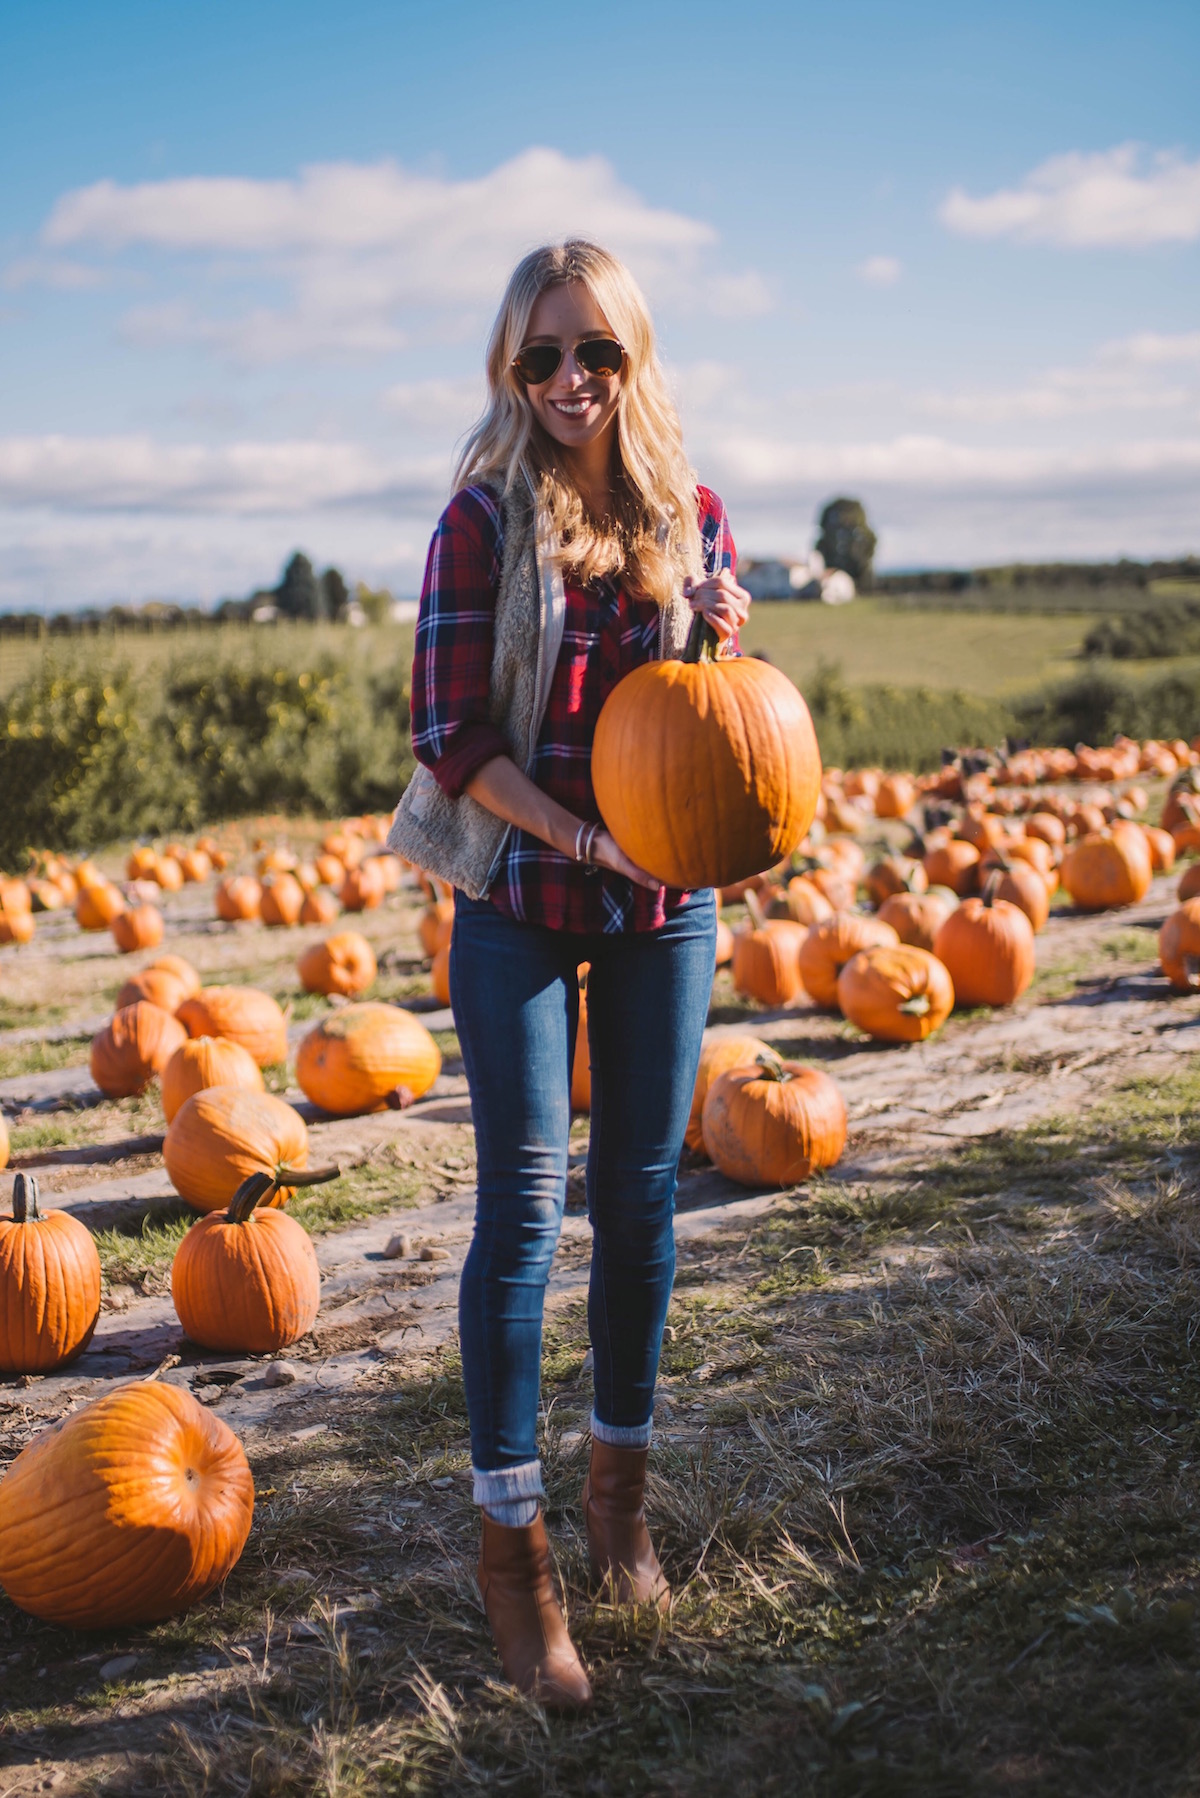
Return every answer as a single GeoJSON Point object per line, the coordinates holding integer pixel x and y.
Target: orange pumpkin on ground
{"type": "Point", "coordinates": [238, 898]}
{"type": "Point", "coordinates": [954, 865]}
{"type": "Point", "coordinates": [724, 954]}
{"type": "Point", "coordinates": [363, 888]}
{"type": "Point", "coordinates": [1107, 869]}
{"type": "Point", "coordinates": [134, 1046]}
{"type": "Point", "coordinates": [829, 945]}
{"type": "Point", "coordinates": [1023, 886]}
{"type": "Point", "coordinates": [309, 879]}
{"type": "Point", "coordinates": [15, 895]}
{"type": "Point", "coordinates": [1050, 829]}
{"type": "Point", "coordinates": [279, 860]}
{"type": "Point", "coordinates": [98, 905]}
{"type": "Point", "coordinates": [439, 974]}
{"type": "Point", "coordinates": [343, 964]}
{"type": "Point", "coordinates": [195, 865]}
{"type": "Point", "coordinates": [126, 1512]}
{"type": "Point", "coordinates": [320, 907]}
{"type": "Point", "coordinates": [895, 797]}
{"type": "Point", "coordinates": [139, 928]}
{"type": "Point", "coordinates": [222, 1135]}
{"type": "Point", "coordinates": [1179, 946]}
{"type": "Point", "coordinates": [847, 857]}
{"type": "Point", "coordinates": [436, 925]}
{"type": "Point", "coordinates": [805, 901]}
{"type": "Point", "coordinates": [917, 917]}
{"type": "Point", "coordinates": [281, 901]}
{"type": "Point", "coordinates": [1161, 845]}
{"type": "Point", "coordinates": [181, 968]}
{"type": "Point", "coordinates": [140, 863]}
{"type": "Point", "coordinates": [365, 1057]}
{"type": "Point", "coordinates": [168, 873]}
{"type": "Point", "coordinates": [894, 874]}
{"type": "Point", "coordinates": [245, 1014]}
{"type": "Point", "coordinates": [246, 1281]}
{"type": "Point", "coordinates": [987, 946]}
{"type": "Point", "coordinates": [204, 1061]}
{"type": "Point", "coordinates": [900, 994]}
{"type": "Point", "coordinates": [739, 720]}
{"type": "Point", "coordinates": [766, 961]}
{"type": "Point", "coordinates": [330, 871]}
{"type": "Point", "coordinates": [1032, 851]}
{"type": "Point", "coordinates": [1189, 883]}
{"type": "Point", "coordinates": [719, 1054]}
{"type": "Point", "coordinates": [49, 1284]}
{"type": "Point", "coordinates": [16, 927]}
{"type": "Point", "coordinates": [157, 985]}
{"type": "Point", "coordinates": [774, 1124]}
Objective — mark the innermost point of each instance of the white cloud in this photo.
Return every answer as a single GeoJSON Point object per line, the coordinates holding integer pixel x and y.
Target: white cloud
{"type": "Point", "coordinates": [880, 271]}
{"type": "Point", "coordinates": [445, 407]}
{"type": "Point", "coordinates": [1123, 198]}
{"type": "Point", "coordinates": [374, 253]}
{"type": "Point", "coordinates": [1124, 376]}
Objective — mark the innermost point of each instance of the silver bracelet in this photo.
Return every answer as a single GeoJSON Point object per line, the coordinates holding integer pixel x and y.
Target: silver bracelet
{"type": "Point", "coordinates": [592, 834]}
{"type": "Point", "coordinates": [580, 852]}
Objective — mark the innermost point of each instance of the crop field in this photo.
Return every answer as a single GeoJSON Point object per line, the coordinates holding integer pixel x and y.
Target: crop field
{"type": "Point", "coordinates": [926, 1430]}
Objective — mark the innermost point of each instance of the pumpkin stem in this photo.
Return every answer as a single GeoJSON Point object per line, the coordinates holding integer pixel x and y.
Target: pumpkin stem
{"type": "Point", "coordinates": [917, 1006]}
{"type": "Point", "coordinates": [703, 641]}
{"type": "Point", "coordinates": [400, 1098]}
{"type": "Point", "coordinates": [249, 1193]}
{"type": "Point", "coordinates": [754, 907]}
{"type": "Point", "coordinates": [772, 1068]}
{"type": "Point", "coordinates": [305, 1176]}
{"type": "Point", "coordinates": [25, 1200]}
{"type": "Point", "coordinates": [991, 889]}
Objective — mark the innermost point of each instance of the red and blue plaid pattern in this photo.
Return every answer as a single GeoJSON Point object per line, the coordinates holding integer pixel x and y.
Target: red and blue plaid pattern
{"type": "Point", "coordinates": [608, 633]}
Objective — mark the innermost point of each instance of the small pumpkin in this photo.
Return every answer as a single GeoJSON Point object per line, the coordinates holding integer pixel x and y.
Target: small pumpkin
{"type": "Point", "coordinates": [245, 1281]}
{"type": "Point", "coordinates": [743, 723]}
{"type": "Point", "coordinates": [363, 888]}
{"type": "Point", "coordinates": [439, 974]}
{"type": "Point", "coordinates": [1107, 869]}
{"type": "Point", "coordinates": [223, 1134]}
{"type": "Point", "coordinates": [182, 969]}
{"type": "Point", "coordinates": [1161, 845]}
{"type": "Point", "coordinates": [805, 901]}
{"type": "Point", "coordinates": [138, 928]}
{"type": "Point", "coordinates": [987, 946]}
{"type": "Point", "coordinates": [766, 958]}
{"type": "Point", "coordinates": [954, 865]}
{"type": "Point", "coordinates": [204, 1061]}
{"type": "Point", "coordinates": [917, 917]}
{"type": "Point", "coordinates": [437, 922]}
{"type": "Point", "coordinates": [97, 905]}
{"type": "Point", "coordinates": [15, 895]}
{"type": "Point", "coordinates": [320, 907]}
{"type": "Point", "coordinates": [900, 994]}
{"type": "Point", "coordinates": [16, 927]}
{"type": "Point", "coordinates": [330, 871]}
{"type": "Point", "coordinates": [724, 949]}
{"type": "Point", "coordinates": [126, 1512]}
{"type": "Point", "coordinates": [159, 986]}
{"type": "Point", "coordinates": [365, 1057]}
{"type": "Point", "coordinates": [343, 964]}
{"type": "Point", "coordinates": [1189, 883]}
{"type": "Point", "coordinates": [168, 873]}
{"type": "Point", "coordinates": [894, 874]}
{"type": "Point", "coordinates": [829, 945]}
{"type": "Point", "coordinates": [773, 1124]}
{"type": "Point", "coordinates": [238, 898]}
{"type": "Point", "coordinates": [896, 796]}
{"type": "Point", "coordinates": [719, 1054]}
{"type": "Point", "coordinates": [195, 865]}
{"type": "Point", "coordinates": [1023, 886]}
{"type": "Point", "coordinates": [281, 902]}
{"type": "Point", "coordinates": [245, 1014]}
{"type": "Point", "coordinates": [1179, 946]}
{"type": "Point", "coordinates": [134, 1046]}
{"type": "Point", "coordinates": [49, 1283]}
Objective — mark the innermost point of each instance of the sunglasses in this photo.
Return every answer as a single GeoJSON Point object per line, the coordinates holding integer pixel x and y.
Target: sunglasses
{"type": "Point", "coordinates": [540, 362]}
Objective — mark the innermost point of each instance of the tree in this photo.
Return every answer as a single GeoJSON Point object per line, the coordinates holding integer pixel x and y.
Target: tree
{"type": "Point", "coordinates": [335, 595]}
{"type": "Point", "coordinates": [376, 603]}
{"type": "Point", "coordinates": [297, 594]}
{"type": "Point", "coordinates": [847, 540]}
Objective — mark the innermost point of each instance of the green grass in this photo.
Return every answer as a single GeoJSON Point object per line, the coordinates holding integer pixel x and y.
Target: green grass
{"type": "Point", "coordinates": [43, 1058]}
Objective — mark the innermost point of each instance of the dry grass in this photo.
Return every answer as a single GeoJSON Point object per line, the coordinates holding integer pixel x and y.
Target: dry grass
{"type": "Point", "coordinates": [924, 1485]}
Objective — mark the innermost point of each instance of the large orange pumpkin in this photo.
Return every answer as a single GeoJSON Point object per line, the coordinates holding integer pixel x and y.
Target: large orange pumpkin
{"type": "Point", "coordinates": [766, 961]}
{"type": "Point", "coordinates": [98, 905]}
{"type": "Point", "coordinates": [1179, 946]}
{"type": "Point", "coordinates": [706, 771]}
{"type": "Point", "coordinates": [139, 928]}
{"type": "Point", "coordinates": [49, 1284]}
{"type": "Point", "coordinates": [245, 1280]}
{"type": "Point", "coordinates": [773, 1124]}
{"type": "Point", "coordinates": [223, 1134]}
{"type": "Point", "coordinates": [126, 1512]}
{"type": "Point", "coordinates": [829, 945]}
{"type": "Point", "coordinates": [135, 1044]}
{"type": "Point", "coordinates": [244, 1014]}
{"type": "Point", "coordinates": [344, 963]}
{"type": "Point", "coordinates": [1110, 868]}
{"type": "Point", "coordinates": [366, 1057]}
{"type": "Point", "coordinates": [987, 945]}
{"type": "Point", "coordinates": [204, 1061]}
{"type": "Point", "coordinates": [917, 917]}
{"type": "Point", "coordinates": [161, 986]}
{"type": "Point", "coordinates": [238, 898]}
{"type": "Point", "coordinates": [719, 1054]}
{"type": "Point", "coordinates": [900, 994]}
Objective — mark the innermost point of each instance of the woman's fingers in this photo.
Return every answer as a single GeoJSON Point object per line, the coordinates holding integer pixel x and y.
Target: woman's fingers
{"type": "Point", "coordinates": [724, 604]}
{"type": "Point", "coordinates": [606, 853]}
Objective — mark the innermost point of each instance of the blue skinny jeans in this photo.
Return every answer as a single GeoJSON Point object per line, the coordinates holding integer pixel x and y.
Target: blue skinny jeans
{"type": "Point", "coordinates": [515, 995]}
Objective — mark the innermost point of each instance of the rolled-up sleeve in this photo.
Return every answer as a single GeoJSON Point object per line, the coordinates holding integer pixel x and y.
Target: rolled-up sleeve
{"type": "Point", "coordinates": [452, 735]}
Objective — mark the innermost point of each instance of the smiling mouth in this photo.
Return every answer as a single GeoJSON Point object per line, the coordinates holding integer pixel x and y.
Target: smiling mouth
{"type": "Point", "coordinates": [573, 408]}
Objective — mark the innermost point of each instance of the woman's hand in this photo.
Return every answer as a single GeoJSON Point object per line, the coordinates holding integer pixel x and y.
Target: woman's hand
{"type": "Point", "coordinates": [725, 605]}
{"type": "Point", "coordinates": [605, 854]}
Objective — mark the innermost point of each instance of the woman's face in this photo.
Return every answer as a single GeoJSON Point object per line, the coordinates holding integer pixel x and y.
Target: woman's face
{"type": "Point", "coordinates": [577, 409]}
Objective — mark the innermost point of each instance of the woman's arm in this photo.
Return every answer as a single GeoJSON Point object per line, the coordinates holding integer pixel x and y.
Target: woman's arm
{"type": "Point", "coordinates": [503, 789]}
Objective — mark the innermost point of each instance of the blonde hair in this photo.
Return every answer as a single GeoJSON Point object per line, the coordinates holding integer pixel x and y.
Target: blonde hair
{"type": "Point", "coordinates": [652, 539]}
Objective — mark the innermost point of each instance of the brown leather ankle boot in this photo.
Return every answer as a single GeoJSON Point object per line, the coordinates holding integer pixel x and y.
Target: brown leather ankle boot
{"type": "Point", "coordinates": [622, 1554]}
{"type": "Point", "coordinates": [516, 1583]}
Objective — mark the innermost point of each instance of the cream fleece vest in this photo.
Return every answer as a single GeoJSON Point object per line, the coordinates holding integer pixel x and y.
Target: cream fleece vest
{"type": "Point", "coordinates": [459, 840]}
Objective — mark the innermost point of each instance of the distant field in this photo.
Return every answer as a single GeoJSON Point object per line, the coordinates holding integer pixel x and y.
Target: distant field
{"type": "Point", "coordinates": [877, 641]}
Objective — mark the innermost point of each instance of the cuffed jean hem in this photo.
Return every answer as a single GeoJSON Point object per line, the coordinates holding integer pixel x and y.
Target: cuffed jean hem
{"type": "Point", "coordinates": [504, 1485]}
{"type": "Point", "coordinates": [616, 1435]}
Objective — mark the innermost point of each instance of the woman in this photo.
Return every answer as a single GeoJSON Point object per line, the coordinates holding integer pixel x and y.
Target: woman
{"type": "Point", "coordinates": [577, 546]}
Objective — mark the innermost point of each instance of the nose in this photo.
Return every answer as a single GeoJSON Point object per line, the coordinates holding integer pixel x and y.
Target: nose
{"type": "Point", "coordinates": [570, 375]}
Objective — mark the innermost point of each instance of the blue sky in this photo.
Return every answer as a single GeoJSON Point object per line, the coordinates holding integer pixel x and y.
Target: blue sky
{"type": "Point", "coordinates": [945, 258]}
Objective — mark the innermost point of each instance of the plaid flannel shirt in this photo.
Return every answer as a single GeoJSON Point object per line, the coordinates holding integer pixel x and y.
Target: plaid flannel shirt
{"type": "Point", "coordinates": [607, 634]}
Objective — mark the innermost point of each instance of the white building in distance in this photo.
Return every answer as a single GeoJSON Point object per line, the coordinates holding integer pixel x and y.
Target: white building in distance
{"type": "Point", "coordinates": [807, 579]}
